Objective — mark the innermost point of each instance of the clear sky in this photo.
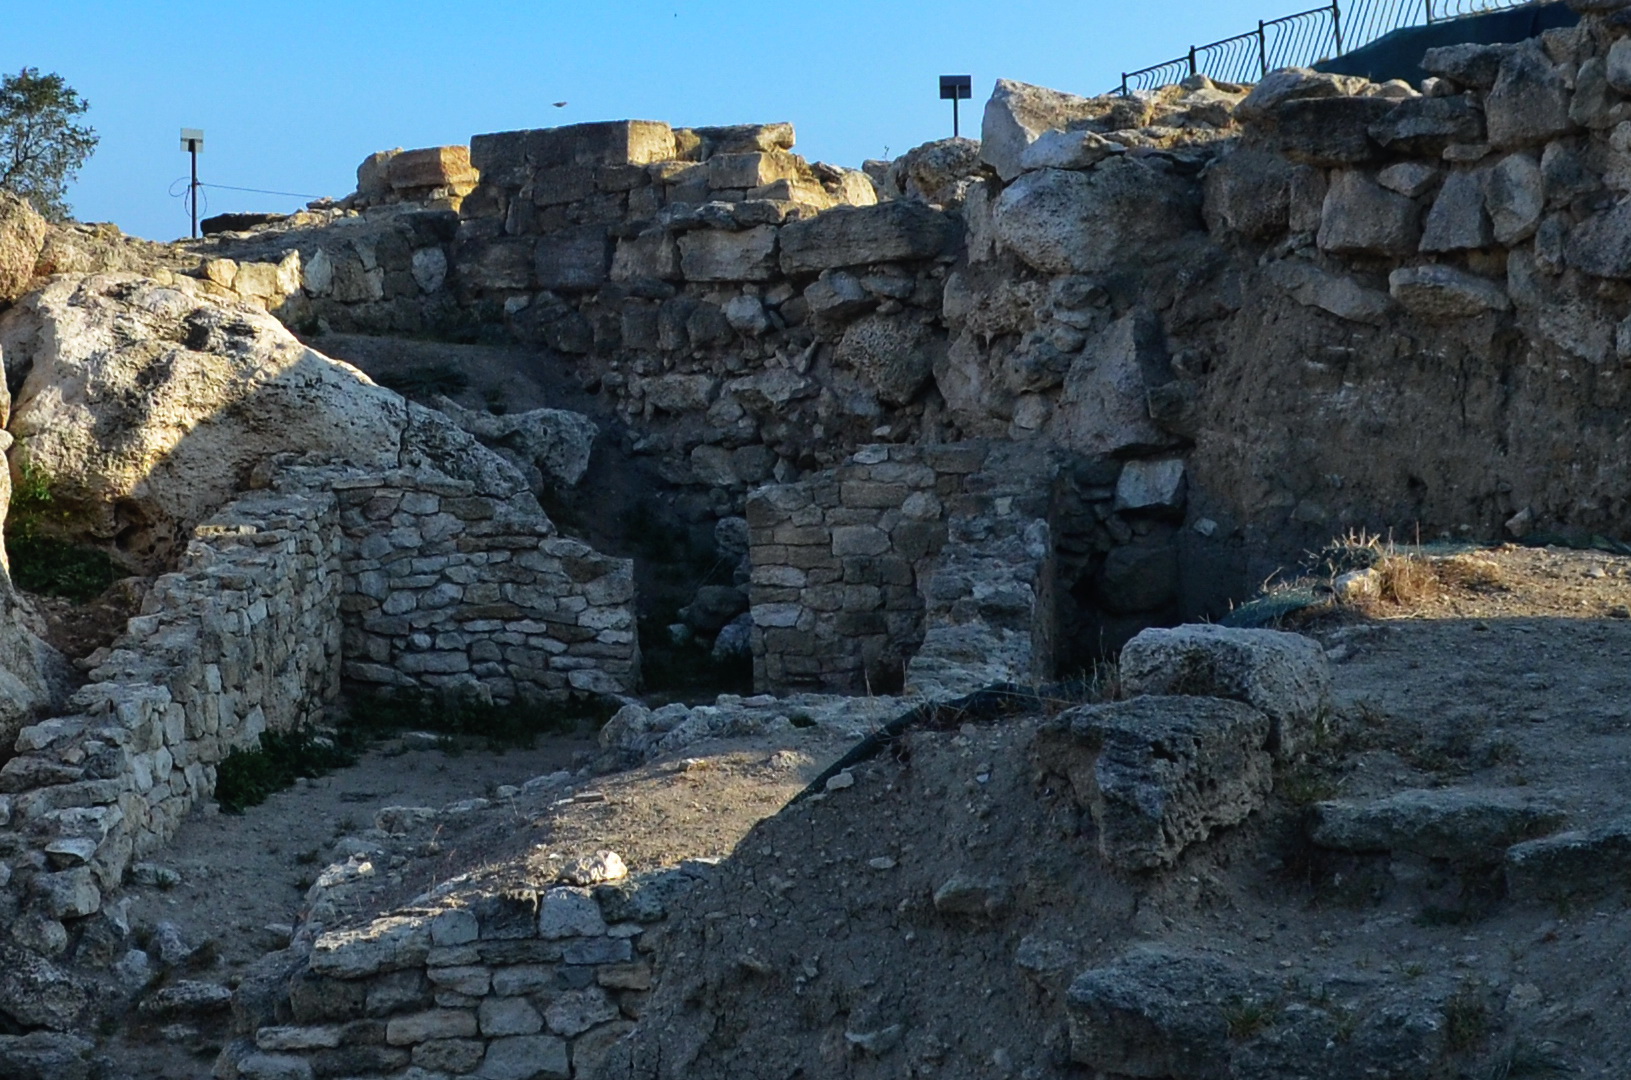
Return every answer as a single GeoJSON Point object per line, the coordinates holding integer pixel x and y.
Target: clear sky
{"type": "Point", "coordinates": [293, 94]}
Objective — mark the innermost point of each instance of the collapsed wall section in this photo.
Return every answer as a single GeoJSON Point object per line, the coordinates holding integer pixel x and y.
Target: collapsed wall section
{"type": "Point", "coordinates": [242, 639]}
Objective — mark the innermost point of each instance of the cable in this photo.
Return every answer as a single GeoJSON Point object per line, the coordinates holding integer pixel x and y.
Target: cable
{"type": "Point", "coordinates": [263, 191]}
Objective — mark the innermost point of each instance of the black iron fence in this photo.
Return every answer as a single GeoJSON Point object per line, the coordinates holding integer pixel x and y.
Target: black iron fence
{"type": "Point", "coordinates": [1307, 37]}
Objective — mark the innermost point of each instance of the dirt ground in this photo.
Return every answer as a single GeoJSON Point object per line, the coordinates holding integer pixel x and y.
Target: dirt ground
{"type": "Point", "coordinates": [1511, 672]}
{"type": "Point", "coordinates": [821, 953]}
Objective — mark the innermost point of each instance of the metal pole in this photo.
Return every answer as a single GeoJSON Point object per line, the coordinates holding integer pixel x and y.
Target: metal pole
{"type": "Point", "coordinates": [1123, 84]}
{"type": "Point", "coordinates": [1336, 23]}
{"type": "Point", "coordinates": [192, 147]}
{"type": "Point", "coordinates": [1262, 49]}
{"type": "Point", "coordinates": [1192, 61]}
{"type": "Point", "coordinates": [956, 131]}
{"type": "Point", "coordinates": [1429, 11]}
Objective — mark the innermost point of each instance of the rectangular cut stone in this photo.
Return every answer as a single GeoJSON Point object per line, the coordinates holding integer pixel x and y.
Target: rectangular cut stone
{"type": "Point", "coordinates": [856, 236]}
{"type": "Point", "coordinates": [436, 166]}
{"type": "Point", "coordinates": [716, 255]}
{"type": "Point", "coordinates": [573, 259]}
{"type": "Point", "coordinates": [495, 264]}
{"type": "Point", "coordinates": [611, 142]}
{"type": "Point", "coordinates": [751, 170]}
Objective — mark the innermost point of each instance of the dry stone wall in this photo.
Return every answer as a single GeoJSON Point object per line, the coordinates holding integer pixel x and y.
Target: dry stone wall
{"type": "Point", "coordinates": [242, 639]}
{"type": "Point", "coordinates": [519, 982]}
{"type": "Point", "coordinates": [852, 569]}
{"type": "Point", "coordinates": [449, 588]}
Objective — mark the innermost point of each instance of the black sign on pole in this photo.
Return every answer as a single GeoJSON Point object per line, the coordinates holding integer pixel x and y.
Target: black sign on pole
{"type": "Point", "coordinates": [955, 88]}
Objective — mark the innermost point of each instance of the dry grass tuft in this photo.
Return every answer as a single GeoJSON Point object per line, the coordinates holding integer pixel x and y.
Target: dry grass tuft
{"type": "Point", "coordinates": [1406, 581]}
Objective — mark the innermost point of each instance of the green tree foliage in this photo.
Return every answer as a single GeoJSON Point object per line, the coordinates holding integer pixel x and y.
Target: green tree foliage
{"type": "Point", "coordinates": [41, 145]}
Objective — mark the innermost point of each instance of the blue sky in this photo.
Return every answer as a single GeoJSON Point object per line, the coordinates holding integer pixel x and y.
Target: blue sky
{"type": "Point", "coordinates": [294, 94]}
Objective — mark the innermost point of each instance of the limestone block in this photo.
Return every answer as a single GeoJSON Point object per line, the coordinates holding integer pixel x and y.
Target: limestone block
{"type": "Point", "coordinates": [1284, 676]}
{"type": "Point", "coordinates": [1472, 65]}
{"type": "Point", "coordinates": [1068, 150]}
{"type": "Point", "coordinates": [1248, 193]}
{"type": "Point", "coordinates": [1287, 84]}
{"type": "Point", "coordinates": [1529, 102]}
{"type": "Point", "coordinates": [436, 166]}
{"type": "Point", "coordinates": [1458, 220]}
{"type": "Point", "coordinates": [1617, 66]}
{"type": "Point", "coordinates": [745, 138]}
{"type": "Point", "coordinates": [896, 354]}
{"type": "Point", "coordinates": [1412, 179]}
{"type": "Point", "coordinates": [1151, 485]}
{"type": "Point", "coordinates": [1342, 296]}
{"type": "Point", "coordinates": [1066, 222]}
{"type": "Point", "coordinates": [429, 268]}
{"type": "Point", "coordinates": [1155, 1013]}
{"type": "Point", "coordinates": [615, 142]}
{"type": "Point", "coordinates": [1161, 773]}
{"type": "Point", "coordinates": [1515, 196]}
{"type": "Point", "coordinates": [653, 254]}
{"type": "Point", "coordinates": [1466, 826]}
{"type": "Point", "coordinates": [859, 235]}
{"type": "Point", "coordinates": [569, 912]}
{"type": "Point", "coordinates": [1361, 217]}
{"type": "Point", "coordinates": [525, 1057]}
{"type": "Point", "coordinates": [717, 255]}
{"type": "Point", "coordinates": [509, 1016]}
{"type": "Point", "coordinates": [1017, 114]}
{"type": "Point", "coordinates": [1582, 864]}
{"type": "Point", "coordinates": [495, 264]}
{"type": "Point", "coordinates": [1104, 406]}
{"type": "Point", "coordinates": [1424, 126]}
{"type": "Point", "coordinates": [374, 175]}
{"type": "Point", "coordinates": [1446, 292]}
{"type": "Point", "coordinates": [751, 170]}
{"type": "Point", "coordinates": [1601, 244]}
{"type": "Point", "coordinates": [68, 894]}
{"type": "Point", "coordinates": [573, 259]}
{"type": "Point", "coordinates": [433, 1024]}
{"type": "Point", "coordinates": [387, 944]}
{"type": "Point", "coordinates": [576, 1011]}
{"type": "Point", "coordinates": [1330, 131]}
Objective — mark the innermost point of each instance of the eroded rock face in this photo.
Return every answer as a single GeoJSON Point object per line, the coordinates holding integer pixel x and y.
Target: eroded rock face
{"type": "Point", "coordinates": [553, 443]}
{"type": "Point", "coordinates": [1017, 114]}
{"type": "Point", "coordinates": [146, 406]}
{"type": "Point", "coordinates": [22, 235]}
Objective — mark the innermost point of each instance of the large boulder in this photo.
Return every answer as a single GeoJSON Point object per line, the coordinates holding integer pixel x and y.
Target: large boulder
{"type": "Point", "coordinates": [145, 407]}
{"type": "Point", "coordinates": [36, 993]}
{"type": "Point", "coordinates": [554, 443]}
{"type": "Point", "coordinates": [22, 235]}
{"type": "Point", "coordinates": [1283, 675]}
{"type": "Point", "coordinates": [937, 173]}
{"type": "Point", "coordinates": [1018, 114]}
{"type": "Point", "coordinates": [1063, 221]}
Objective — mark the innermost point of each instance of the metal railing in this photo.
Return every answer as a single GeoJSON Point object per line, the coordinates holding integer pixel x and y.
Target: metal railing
{"type": "Point", "coordinates": [1308, 37]}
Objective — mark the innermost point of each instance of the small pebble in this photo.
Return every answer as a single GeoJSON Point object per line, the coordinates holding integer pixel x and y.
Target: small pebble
{"type": "Point", "coordinates": [841, 781]}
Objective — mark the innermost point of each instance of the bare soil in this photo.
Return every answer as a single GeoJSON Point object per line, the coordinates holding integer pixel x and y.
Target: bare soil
{"type": "Point", "coordinates": [818, 932]}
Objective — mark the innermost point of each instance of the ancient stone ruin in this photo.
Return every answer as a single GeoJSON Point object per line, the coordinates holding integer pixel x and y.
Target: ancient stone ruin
{"type": "Point", "coordinates": [959, 459]}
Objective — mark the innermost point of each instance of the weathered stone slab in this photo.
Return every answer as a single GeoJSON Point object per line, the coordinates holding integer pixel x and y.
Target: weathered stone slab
{"type": "Point", "coordinates": [1161, 773]}
{"type": "Point", "coordinates": [717, 255]}
{"type": "Point", "coordinates": [436, 166]}
{"type": "Point", "coordinates": [1017, 114]}
{"type": "Point", "coordinates": [1062, 221]}
{"type": "Point", "coordinates": [1577, 864]}
{"type": "Point", "coordinates": [1360, 217]}
{"type": "Point", "coordinates": [1467, 826]}
{"type": "Point", "coordinates": [1438, 291]}
{"type": "Point", "coordinates": [1285, 676]}
{"type": "Point", "coordinates": [857, 236]}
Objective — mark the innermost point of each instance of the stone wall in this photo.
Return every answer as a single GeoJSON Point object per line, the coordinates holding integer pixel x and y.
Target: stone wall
{"type": "Point", "coordinates": [449, 588]}
{"type": "Point", "coordinates": [508, 981]}
{"type": "Point", "coordinates": [243, 638]}
{"type": "Point", "coordinates": [852, 566]}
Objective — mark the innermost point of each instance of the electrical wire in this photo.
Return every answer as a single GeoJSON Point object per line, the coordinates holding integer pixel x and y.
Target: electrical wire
{"type": "Point", "coordinates": [262, 191]}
